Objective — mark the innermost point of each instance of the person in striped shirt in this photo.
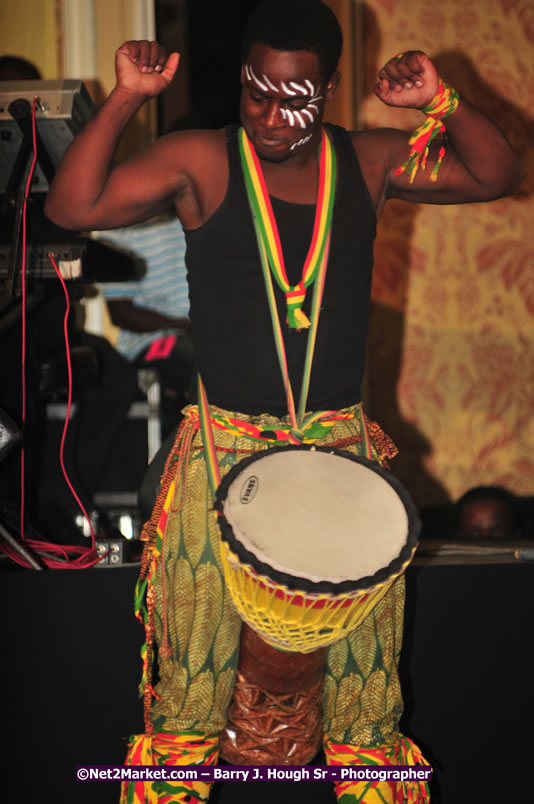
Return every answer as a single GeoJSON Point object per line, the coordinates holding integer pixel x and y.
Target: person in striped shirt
{"type": "Point", "coordinates": [152, 310]}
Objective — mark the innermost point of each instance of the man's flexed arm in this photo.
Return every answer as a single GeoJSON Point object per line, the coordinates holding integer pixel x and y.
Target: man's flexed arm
{"type": "Point", "coordinates": [89, 191]}
{"type": "Point", "coordinates": [479, 163]}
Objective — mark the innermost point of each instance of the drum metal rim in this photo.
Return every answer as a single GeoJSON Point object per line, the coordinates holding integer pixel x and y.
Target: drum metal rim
{"type": "Point", "coordinates": [305, 585]}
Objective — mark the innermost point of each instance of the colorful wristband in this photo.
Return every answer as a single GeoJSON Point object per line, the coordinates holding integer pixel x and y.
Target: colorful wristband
{"type": "Point", "coordinates": [444, 103]}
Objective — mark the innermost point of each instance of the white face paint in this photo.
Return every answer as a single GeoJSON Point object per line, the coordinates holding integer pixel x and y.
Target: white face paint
{"type": "Point", "coordinates": [304, 116]}
{"type": "Point", "coordinates": [301, 142]}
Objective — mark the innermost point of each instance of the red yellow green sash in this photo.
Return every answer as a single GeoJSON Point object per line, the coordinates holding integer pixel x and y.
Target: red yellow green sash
{"type": "Point", "coordinates": [267, 230]}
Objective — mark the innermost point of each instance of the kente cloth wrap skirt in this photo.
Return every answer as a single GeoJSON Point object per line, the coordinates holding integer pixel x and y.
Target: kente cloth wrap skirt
{"type": "Point", "coordinates": [188, 612]}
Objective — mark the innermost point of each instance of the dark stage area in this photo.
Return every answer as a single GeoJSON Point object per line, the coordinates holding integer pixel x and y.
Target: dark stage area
{"type": "Point", "coordinates": [71, 667]}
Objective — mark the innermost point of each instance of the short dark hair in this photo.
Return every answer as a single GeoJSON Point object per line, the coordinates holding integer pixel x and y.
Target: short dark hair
{"type": "Point", "coordinates": [493, 493]}
{"type": "Point", "coordinates": [296, 25]}
{"type": "Point", "coordinates": [496, 494]}
{"type": "Point", "coordinates": [15, 68]}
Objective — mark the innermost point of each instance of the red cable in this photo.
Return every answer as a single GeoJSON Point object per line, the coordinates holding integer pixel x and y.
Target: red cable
{"type": "Point", "coordinates": [86, 557]}
{"type": "Point", "coordinates": [23, 356]}
{"type": "Point", "coordinates": [69, 399]}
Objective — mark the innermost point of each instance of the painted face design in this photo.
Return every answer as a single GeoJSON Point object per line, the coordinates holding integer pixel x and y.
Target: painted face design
{"type": "Point", "coordinates": [289, 91]}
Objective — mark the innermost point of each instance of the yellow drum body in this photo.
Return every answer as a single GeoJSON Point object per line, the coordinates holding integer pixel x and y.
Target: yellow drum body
{"type": "Point", "coordinates": [312, 538]}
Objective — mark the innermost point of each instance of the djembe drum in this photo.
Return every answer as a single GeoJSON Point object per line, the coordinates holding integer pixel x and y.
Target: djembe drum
{"type": "Point", "coordinates": [311, 539]}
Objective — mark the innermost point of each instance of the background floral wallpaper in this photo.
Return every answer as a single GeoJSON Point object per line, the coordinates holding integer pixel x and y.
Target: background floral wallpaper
{"type": "Point", "coordinates": [452, 324]}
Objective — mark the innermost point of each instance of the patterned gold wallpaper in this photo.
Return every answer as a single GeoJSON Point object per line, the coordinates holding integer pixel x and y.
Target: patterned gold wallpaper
{"type": "Point", "coordinates": [452, 327]}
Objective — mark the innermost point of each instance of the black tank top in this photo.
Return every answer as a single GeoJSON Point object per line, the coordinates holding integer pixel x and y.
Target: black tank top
{"type": "Point", "coordinates": [234, 342]}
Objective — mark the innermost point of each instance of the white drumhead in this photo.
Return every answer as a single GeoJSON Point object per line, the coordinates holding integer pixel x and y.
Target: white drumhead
{"type": "Point", "coordinates": [316, 515]}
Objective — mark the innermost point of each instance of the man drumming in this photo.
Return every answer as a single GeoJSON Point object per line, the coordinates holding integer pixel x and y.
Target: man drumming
{"type": "Point", "coordinates": [289, 72]}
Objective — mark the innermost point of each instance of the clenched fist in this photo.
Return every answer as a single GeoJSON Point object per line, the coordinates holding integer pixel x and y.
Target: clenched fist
{"type": "Point", "coordinates": [408, 80]}
{"type": "Point", "coordinates": [143, 67]}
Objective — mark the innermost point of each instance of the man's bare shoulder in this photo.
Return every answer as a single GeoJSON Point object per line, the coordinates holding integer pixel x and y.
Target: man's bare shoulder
{"type": "Point", "coordinates": [194, 144]}
{"type": "Point", "coordinates": [200, 156]}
